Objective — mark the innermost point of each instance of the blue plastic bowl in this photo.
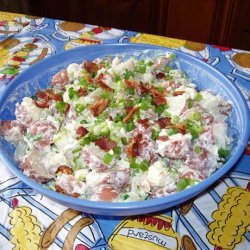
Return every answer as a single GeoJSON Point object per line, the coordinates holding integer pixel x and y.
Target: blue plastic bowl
{"type": "Point", "coordinates": [202, 74]}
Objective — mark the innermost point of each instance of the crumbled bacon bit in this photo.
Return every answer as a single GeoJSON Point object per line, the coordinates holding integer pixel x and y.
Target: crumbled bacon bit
{"type": "Point", "coordinates": [164, 121]}
{"type": "Point", "coordinates": [144, 123]}
{"type": "Point", "coordinates": [88, 78]}
{"type": "Point", "coordinates": [133, 147]}
{"type": "Point", "coordinates": [53, 96]}
{"type": "Point", "coordinates": [179, 92]}
{"type": "Point", "coordinates": [63, 169]}
{"type": "Point", "coordinates": [61, 191]}
{"type": "Point", "coordinates": [163, 138]}
{"type": "Point", "coordinates": [158, 97]}
{"type": "Point", "coordinates": [81, 131]}
{"type": "Point", "coordinates": [67, 107]}
{"type": "Point", "coordinates": [44, 96]}
{"type": "Point", "coordinates": [5, 126]}
{"type": "Point", "coordinates": [41, 104]}
{"type": "Point", "coordinates": [130, 114]}
{"type": "Point", "coordinates": [91, 67]}
{"type": "Point", "coordinates": [160, 100]}
{"type": "Point", "coordinates": [160, 75]}
{"type": "Point", "coordinates": [82, 92]}
{"type": "Point", "coordinates": [105, 144]}
{"type": "Point", "coordinates": [142, 88]}
{"type": "Point", "coordinates": [102, 84]}
{"type": "Point", "coordinates": [181, 127]}
{"type": "Point", "coordinates": [130, 84]}
{"type": "Point", "coordinates": [99, 106]}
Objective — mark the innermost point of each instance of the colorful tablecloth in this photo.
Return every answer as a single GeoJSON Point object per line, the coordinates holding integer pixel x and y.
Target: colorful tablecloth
{"type": "Point", "coordinates": [219, 218]}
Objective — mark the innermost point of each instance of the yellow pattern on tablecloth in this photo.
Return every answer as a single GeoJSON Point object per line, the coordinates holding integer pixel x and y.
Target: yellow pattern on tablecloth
{"type": "Point", "coordinates": [158, 40]}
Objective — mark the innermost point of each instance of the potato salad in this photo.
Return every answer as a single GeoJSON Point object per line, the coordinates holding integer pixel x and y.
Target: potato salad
{"type": "Point", "coordinates": [117, 129]}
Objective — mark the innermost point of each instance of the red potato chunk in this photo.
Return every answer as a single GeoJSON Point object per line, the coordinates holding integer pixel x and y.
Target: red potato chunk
{"type": "Point", "coordinates": [69, 185]}
{"type": "Point", "coordinates": [176, 146]}
{"type": "Point", "coordinates": [204, 162]}
{"type": "Point", "coordinates": [60, 79]}
{"type": "Point", "coordinates": [106, 193]}
{"type": "Point", "coordinates": [27, 112]}
{"type": "Point", "coordinates": [11, 130]}
{"type": "Point", "coordinates": [33, 167]}
{"type": "Point", "coordinates": [119, 179]}
{"type": "Point", "coordinates": [41, 133]}
{"type": "Point", "coordinates": [205, 116]}
{"type": "Point", "coordinates": [94, 159]}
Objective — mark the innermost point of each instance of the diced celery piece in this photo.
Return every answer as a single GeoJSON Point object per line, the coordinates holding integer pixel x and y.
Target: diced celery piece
{"type": "Point", "coordinates": [107, 158]}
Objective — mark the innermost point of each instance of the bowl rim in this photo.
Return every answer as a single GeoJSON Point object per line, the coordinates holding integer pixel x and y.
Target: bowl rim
{"type": "Point", "coordinates": [134, 207]}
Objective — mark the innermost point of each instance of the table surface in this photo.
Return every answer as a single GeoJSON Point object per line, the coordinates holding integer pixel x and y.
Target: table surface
{"type": "Point", "coordinates": [219, 218]}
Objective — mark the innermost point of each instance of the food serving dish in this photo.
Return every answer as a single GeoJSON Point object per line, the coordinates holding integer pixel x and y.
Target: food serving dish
{"type": "Point", "coordinates": [204, 76]}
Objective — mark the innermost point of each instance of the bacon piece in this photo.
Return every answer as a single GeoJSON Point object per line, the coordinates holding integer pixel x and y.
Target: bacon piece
{"type": "Point", "coordinates": [91, 67]}
{"type": "Point", "coordinates": [82, 92]}
{"type": "Point", "coordinates": [163, 138]}
{"type": "Point", "coordinates": [81, 131]}
{"type": "Point", "coordinates": [160, 75]}
{"type": "Point", "coordinates": [105, 144]}
{"type": "Point", "coordinates": [163, 122]}
{"type": "Point", "coordinates": [158, 97]}
{"type": "Point", "coordinates": [132, 150]}
{"type": "Point", "coordinates": [5, 127]}
{"type": "Point", "coordinates": [130, 84]}
{"type": "Point", "coordinates": [63, 169]}
{"type": "Point", "coordinates": [99, 106]}
{"type": "Point", "coordinates": [159, 100]}
{"type": "Point", "coordinates": [88, 78]}
{"type": "Point", "coordinates": [53, 96]}
{"type": "Point", "coordinates": [44, 96]}
{"type": "Point", "coordinates": [102, 84]}
{"type": "Point", "coordinates": [181, 127]}
{"type": "Point", "coordinates": [144, 123]}
{"type": "Point", "coordinates": [142, 88]}
{"type": "Point", "coordinates": [62, 191]}
{"type": "Point", "coordinates": [142, 145]}
{"type": "Point", "coordinates": [179, 92]}
{"type": "Point", "coordinates": [128, 109]}
{"type": "Point", "coordinates": [133, 147]}
{"type": "Point", "coordinates": [130, 114]}
{"type": "Point", "coordinates": [41, 104]}
{"type": "Point", "coordinates": [60, 79]}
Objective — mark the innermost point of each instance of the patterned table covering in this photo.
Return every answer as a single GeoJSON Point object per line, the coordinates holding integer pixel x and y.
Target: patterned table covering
{"type": "Point", "coordinates": [219, 218]}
